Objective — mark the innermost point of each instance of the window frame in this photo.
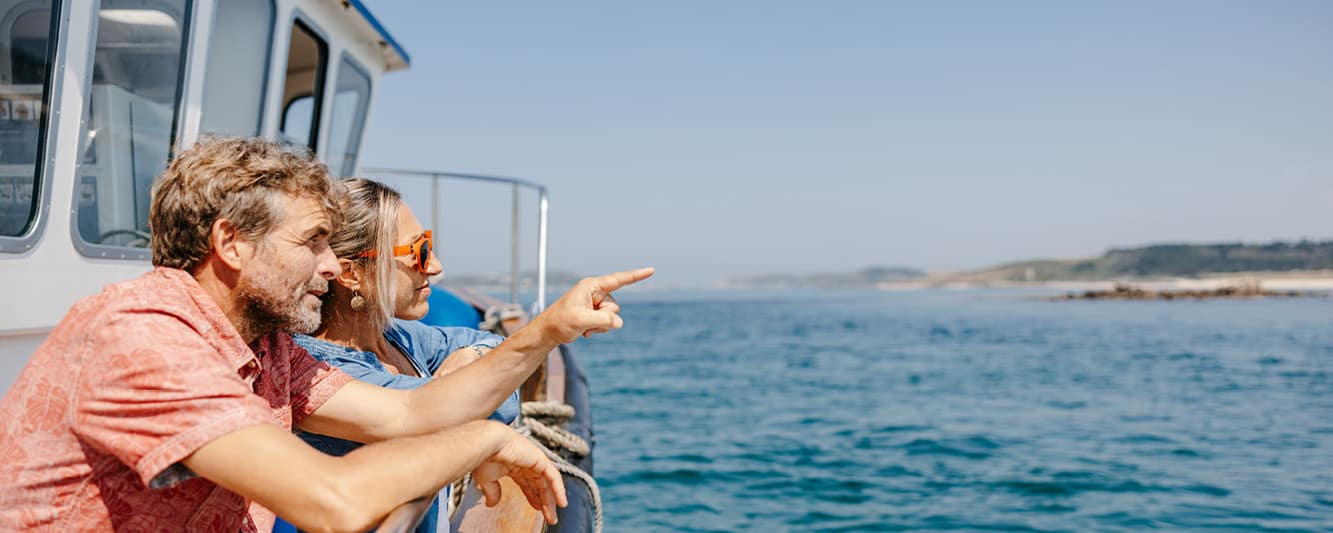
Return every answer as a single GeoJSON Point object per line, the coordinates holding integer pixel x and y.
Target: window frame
{"type": "Point", "coordinates": [321, 80]}
{"type": "Point", "coordinates": [40, 212]}
{"type": "Point", "coordinates": [362, 111]}
{"type": "Point", "coordinates": [267, 75]}
{"type": "Point", "coordinates": [107, 251]}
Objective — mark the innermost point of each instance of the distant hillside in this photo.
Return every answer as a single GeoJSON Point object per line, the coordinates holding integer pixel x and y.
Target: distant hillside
{"type": "Point", "coordinates": [1165, 261]}
{"type": "Point", "coordinates": [868, 277]}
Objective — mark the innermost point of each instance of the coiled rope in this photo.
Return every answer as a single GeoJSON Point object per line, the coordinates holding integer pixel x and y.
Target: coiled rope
{"type": "Point", "coordinates": [541, 419]}
{"type": "Point", "coordinates": [540, 424]}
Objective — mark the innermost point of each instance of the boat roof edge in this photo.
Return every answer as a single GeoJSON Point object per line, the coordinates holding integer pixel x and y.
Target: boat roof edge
{"type": "Point", "coordinates": [395, 55]}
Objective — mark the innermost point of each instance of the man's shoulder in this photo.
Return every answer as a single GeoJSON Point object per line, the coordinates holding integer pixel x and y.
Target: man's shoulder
{"type": "Point", "coordinates": [128, 301]}
{"type": "Point", "coordinates": [160, 306]}
{"type": "Point", "coordinates": [161, 289]}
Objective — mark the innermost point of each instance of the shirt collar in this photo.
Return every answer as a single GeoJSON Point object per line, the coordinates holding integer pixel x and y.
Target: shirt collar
{"type": "Point", "coordinates": [223, 334]}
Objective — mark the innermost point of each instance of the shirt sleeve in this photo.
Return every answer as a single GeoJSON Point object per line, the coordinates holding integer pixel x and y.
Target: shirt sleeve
{"type": "Point", "coordinates": [508, 410]}
{"type": "Point", "coordinates": [434, 343]}
{"type": "Point", "coordinates": [158, 392]}
{"type": "Point", "coordinates": [313, 381]}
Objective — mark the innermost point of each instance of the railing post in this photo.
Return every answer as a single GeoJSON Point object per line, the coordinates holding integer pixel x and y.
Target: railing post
{"type": "Point", "coordinates": [541, 251]}
{"type": "Point", "coordinates": [435, 207]}
{"type": "Point", "coordinates": [513, 248]}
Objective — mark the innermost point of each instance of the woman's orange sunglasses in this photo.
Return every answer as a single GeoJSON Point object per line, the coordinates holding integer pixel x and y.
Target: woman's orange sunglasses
{"type": "Point", "coordinates": [419, 248]}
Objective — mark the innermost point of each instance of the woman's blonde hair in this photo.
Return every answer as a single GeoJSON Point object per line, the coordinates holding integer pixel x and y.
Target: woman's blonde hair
{"type": "Point", "coordinates": [369, 215]}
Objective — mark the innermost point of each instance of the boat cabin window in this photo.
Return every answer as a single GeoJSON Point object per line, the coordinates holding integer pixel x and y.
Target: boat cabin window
{"type": "Point", "coordinates": [237, 69]}
{"type": "Point", "coordinates": [27, 47]}
{"type": "Point", "coordinates": [347, 117]}
{"type": "Point", "coordinates": [131, 117]}
{"type": "Point", "coordinates": [307, 56]}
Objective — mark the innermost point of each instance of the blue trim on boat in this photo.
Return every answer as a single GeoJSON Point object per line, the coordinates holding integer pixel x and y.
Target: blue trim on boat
{"type": "Point", "coordinates": [384, 34]}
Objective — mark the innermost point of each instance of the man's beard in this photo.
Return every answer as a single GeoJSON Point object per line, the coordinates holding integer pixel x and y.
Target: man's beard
{"type": "Point", "coordinates": [268, 309]}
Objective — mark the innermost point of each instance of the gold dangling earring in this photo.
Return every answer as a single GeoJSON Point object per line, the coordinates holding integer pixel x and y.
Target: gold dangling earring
{"type": "Point", "coordinates": [358, 303]}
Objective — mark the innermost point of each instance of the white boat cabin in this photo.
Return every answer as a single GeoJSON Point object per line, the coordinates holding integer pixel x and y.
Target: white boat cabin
{"type": "Point", "coordinates": [95, 94]}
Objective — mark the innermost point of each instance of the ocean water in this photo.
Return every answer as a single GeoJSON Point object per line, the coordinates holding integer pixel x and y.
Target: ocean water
{"type": "Point", "coordinates": [962, 410]}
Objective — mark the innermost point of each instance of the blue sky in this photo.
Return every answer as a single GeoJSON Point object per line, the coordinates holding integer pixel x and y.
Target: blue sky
{"type": "Point", "coordinates": [716, 138]}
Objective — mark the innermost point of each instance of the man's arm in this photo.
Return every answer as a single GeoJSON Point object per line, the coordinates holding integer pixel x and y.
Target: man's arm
{"type": "Point", "coordinates": [365, 413]}
{"type": "Point", "coordinates": [318, 492]}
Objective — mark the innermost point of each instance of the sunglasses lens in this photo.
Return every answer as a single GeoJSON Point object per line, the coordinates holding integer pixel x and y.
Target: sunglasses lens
{"type": "Point", "coordinates": [423, 254]}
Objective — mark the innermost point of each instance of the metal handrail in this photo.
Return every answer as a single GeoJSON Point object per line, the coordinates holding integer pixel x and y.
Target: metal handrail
{"type": "Point", "coordinates": [515, 183]}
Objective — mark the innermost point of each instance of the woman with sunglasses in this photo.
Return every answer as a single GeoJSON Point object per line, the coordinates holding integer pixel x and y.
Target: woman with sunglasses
{"type": "Point", "coordinates": [369, 327]}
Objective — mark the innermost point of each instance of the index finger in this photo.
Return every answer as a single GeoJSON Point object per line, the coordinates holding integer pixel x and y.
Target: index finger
{"type": "Point", "coordinates": [611, 282]}
{"type": "Point", "coordinates": [557, 485]}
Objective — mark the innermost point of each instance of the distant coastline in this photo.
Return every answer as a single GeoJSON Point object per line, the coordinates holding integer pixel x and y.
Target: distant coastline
{"type": "Point", "coordinates": [1295, 280]}
{"type": "Point", "coordinates": [1278, 266]}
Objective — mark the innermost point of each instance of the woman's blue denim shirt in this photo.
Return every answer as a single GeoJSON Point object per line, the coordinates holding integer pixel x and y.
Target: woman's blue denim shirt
{"type": "Point", "coordinates": [427, 347]}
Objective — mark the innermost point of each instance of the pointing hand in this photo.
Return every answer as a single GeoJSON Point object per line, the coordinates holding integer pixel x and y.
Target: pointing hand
{"type": "Point", "coordinates": [588, 308]}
